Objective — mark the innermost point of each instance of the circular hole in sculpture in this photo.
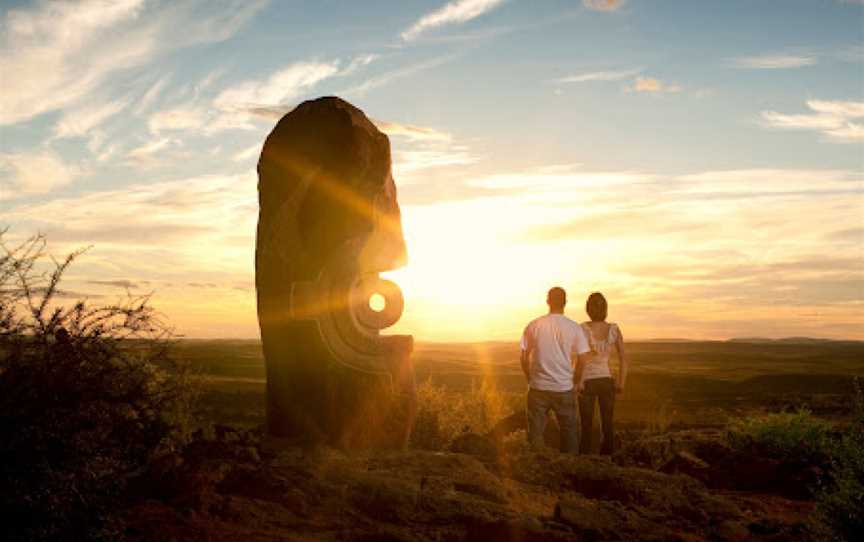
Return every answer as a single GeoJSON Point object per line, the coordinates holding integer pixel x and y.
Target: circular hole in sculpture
{"type": "Point", "coordinates": [377, 302]}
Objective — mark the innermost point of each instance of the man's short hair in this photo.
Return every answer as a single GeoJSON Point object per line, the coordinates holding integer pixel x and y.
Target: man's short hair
{"type": "Point", "coordinates": [596, 307]}
{"type": "Point", "coordinates": [556, 298]}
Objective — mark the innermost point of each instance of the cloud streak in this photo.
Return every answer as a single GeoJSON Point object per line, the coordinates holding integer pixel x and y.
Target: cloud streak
{"type": "Point", "coordinates": [652, 85]}
{"type": "Point", "coordinates": [455, 12]}
{"type": "Point", "coordinates": [774, 62]}
{"type": "Point", "coordinates": [839, 121]}
{"type": "Point", "coordinates": [186, 117]}
{"type": "Point", "coordinates": [79, 122]}
{"type": "Point", "coordinates": [598, 76]}
{"type": "Point", "coordinates": [412, 132]}
{"type": "Point", "coordinates": [283, 85]}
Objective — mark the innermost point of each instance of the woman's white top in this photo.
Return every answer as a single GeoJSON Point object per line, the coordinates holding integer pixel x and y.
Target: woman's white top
{"type": "Point", "coordinates": [599, 367]}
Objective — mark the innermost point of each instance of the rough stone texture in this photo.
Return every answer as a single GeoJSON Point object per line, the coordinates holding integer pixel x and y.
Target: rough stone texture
{"type": "Point", "coordinates": [705, 456]}
{"type": "Point", "coordinates": [214, 490]}
{"type": "Point", "coordinates": [679, 497]}
{"type": "Point", "coordinates": [328, 223]}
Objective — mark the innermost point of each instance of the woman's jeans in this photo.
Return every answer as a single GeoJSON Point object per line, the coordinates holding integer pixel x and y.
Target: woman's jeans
{"type": "Point", "coordinates": [603, 391]}
{"type": "Point", "coordinates": [563, 403]}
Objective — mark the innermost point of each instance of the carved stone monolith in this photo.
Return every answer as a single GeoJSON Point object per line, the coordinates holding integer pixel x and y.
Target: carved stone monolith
{"type": "Point", "coordinates": [328, 223]}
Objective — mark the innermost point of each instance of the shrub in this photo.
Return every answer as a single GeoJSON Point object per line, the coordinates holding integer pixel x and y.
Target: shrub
{"type": "Point", "coordinates": [840, 505]}
{"type": "Point", "coordinates": [794, 437]}
{"type": "Point", "coordinates": [88, 395]}
{"type": "Point", "coordinates": [442, 415]}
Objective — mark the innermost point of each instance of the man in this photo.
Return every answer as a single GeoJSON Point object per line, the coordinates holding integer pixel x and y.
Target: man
{"type": "Point", "coordinates": [551, 346]}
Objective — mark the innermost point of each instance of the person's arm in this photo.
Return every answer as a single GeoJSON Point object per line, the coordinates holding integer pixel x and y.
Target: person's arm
{"type": "Point", "coordinates": [622, 360]}
{"type": "Point", "coordinates": [525, 360]}
{"type": "Point", "coordinates": [581, 356]}
{"type": "Point", "coordinates": [578, 373]}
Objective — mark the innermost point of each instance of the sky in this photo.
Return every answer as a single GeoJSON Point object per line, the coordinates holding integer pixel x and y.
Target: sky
{"type": "Point", "coordinates": [701, 164]}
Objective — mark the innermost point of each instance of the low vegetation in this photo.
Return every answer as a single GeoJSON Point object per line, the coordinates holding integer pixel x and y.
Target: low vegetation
{"type": "Point", "coordinates": [443, 414]}
{"type": "Point", "coordinates": [88, 396]}
{"type": "Point", "coordinates": [800, 438]}
{"type": "Point", "coordinates": [796, 437]}
{"type": "Point", "coordinates": [841, 503]}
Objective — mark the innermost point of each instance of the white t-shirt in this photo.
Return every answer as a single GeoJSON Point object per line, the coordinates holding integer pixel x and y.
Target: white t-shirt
{"type": "Point", "coordinates": [599, 367]}
{"type": "Point", "coordinates": [552, 339]}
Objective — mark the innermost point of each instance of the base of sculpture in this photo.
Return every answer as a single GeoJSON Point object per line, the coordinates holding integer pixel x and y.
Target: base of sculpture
{"type": "Point", "coordinates": [358, 410]}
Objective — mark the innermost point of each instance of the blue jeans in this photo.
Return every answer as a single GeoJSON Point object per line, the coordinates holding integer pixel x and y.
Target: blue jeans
{"type": "Point", "coordinates": [563, 403]}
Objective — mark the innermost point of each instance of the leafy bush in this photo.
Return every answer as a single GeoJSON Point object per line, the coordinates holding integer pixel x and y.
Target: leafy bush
{"type": "Point", "coordinates": [88, 395]}
{"type": "Point", "coordinates": [443, 415]}
{"type": "Point", "coordinates": [841, 504]}
{"type": "Point", "coordinates": [794, 437]}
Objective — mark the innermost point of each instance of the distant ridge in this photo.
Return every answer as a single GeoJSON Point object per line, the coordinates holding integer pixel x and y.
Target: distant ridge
{"type": "Point", "coordinates": [672, 340]}
{"type": "Point", "coordinates": [789, 340]}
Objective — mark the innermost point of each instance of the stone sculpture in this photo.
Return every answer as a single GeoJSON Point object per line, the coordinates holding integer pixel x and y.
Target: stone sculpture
{"type": "Point", "coordinates": [328, 223]}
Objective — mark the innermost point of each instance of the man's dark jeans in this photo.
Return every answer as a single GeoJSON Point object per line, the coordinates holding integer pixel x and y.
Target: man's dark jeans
{"type": "Point", "coordinates": [563, 403]}
{"type": "Point", "coordinates": [601, 390]}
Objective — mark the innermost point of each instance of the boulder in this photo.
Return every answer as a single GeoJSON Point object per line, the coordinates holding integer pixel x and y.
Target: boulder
{"type": "Point", "coordinates": [687, 463]}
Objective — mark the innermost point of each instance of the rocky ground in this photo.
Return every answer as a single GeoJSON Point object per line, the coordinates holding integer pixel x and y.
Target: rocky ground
{"type": "Point", "coordinates": [689, 486]}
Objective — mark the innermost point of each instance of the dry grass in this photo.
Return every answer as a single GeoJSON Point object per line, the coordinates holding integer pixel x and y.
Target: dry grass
{"type": "Point", "coordinates": [443, 415]}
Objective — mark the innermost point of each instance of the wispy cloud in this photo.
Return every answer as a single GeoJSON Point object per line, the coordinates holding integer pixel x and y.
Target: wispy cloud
{"type": "Point", "coordinates": [359, 62]}
{"type": "Point", "coordinates": [248, 153]}
{"type": "Point", "coordinates": [34, 172]}
{"type": "Point", "coordinates": [274, 95]}
{"type": "Point", "coordinates": [603, 5]}
{"type": "Point", "coordinates": [61, 51]}
{"type": "Point", "coordinates": [179, 118]}
{"type": "Point", "coordinates": [283, 85]}
{"type": "Point", "coordinates": [273, 112]}
{"type": "Point", "coordinates": [774, 61]}
{"type": "Point", "coordinates": [770, 181]}
{"type": "Point", "coordinates": [840, 121]}
{"type": "Point", "coordinates": [162, 215]}
{"type": "Point", "coordinates": [386, 78]}
{"type": "Point", "coordinates": [412, 132]}
{"type": "Point", "coordinates": [653, 85]}
{"type": "Point", "coordinates": [235, 107]}
{"type": "Point", "coordinates": [455, 12]}
{"type": "Point", "coordinates": [152, 93]}
{"type": "Point", "coordinates": [419, 150]}
{"type": "Point", "coordinates": [149, 153]}
{"type": "Point", "coordinates": [80, 121]}
{"type": "Point", "coordinates": [598, 76]}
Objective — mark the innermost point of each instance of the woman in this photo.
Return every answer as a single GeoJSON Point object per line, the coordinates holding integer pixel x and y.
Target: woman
{"type": "Point", "coordinates": [596, 382]}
